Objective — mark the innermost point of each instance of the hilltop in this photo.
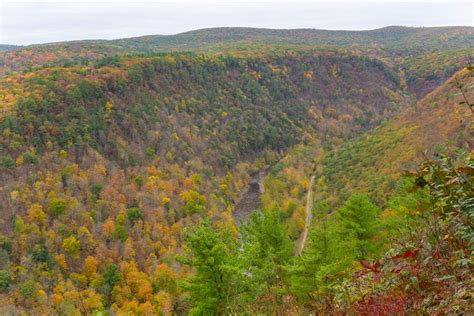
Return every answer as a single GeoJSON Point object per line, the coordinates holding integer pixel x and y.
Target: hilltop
{"type": "Point", "coordinates": [426, 56]}
{"type": "Point", "coordinates": [395, 39]}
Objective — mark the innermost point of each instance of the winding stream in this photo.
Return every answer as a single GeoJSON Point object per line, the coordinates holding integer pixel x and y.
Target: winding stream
{"type": "Point", "coordinates": [249, 200]}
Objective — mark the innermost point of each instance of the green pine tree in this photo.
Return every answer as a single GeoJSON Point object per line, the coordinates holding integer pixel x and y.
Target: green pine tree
{"type": "Point", "coordinates": [266, 248]}
{"type": "Point", "coordinates": [359, 221]}
{"type": "Point", "coordinates": [215, 287]}
{"type": "Point", "coordinates": [325, 259]}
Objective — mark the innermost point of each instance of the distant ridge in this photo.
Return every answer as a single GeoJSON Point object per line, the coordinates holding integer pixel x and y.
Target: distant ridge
{"type": "Point", "coordinates": [427, 55]}
{"type": "Point", "coordinates": [7, 47]}
{"type": "Point", "coordinates": [216, 34]}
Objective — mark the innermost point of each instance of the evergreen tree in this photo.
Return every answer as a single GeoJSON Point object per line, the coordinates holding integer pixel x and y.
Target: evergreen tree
{"type": "Point", "coordinates": [217, 282]}
{"type": "Point", "coordinates": [111, 277]}
{"type": "Point", "coordinates": [5, 279]}
{"type": "Point", "coordinates": [266, 248]}
{"type": "Point", "coordinates": [359, 221]}
{"type": "Point", "coordinates": [325, 259]}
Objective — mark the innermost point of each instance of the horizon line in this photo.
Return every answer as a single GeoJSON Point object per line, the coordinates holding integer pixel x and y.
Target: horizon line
{"type": "Point", "coordinates": [228, 27]}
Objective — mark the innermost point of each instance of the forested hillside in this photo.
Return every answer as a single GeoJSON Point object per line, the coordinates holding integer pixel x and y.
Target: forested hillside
{"type": "Point", "coordinates": [380, 157]}
{"type": "Point", "coordinates": [392, 220]}
{"type": "Point", "coordinates": [426, 56]}
{"type": "Point", "coordinates": [5, 47]}
{"type": "Point", "coordinates": [235, 107]}
{"type": "Point", "coordinates": [417, 169]}
{"type": "Point", "coordinates": [110, 163]}
{"type": "Point", "coordinates": [122, 162]}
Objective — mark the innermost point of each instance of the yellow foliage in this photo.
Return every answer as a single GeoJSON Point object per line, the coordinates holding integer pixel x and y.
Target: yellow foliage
{"type": "Point", "coordinates": [109, 226]}
{"type": "Point", "coordinates": [50, 234]}
{"type": "Point", "coordinates": [188, 183]}
{"type": "Point", "coordinates": [61, 260]}
{"type": "Point", "coordinates": [57, 299]}
{"type": "Point", "coordinates": [196, 178]}
{"type": "Point", "coordinates": [72, 246]}
{"type": "Point", "coordinates": [146, 309]}
{"type": "Point", "coordinates": [170, 60]}
{"type": "Point", "coordinates": [152, 171]}
{"type": "Point", "coordinates": [38, 185]}
{"type": "Point", "coordinates": [123, 199]}
{"type": "Point", "coordinates": [145, 290]}
{"type": "Point", "coordinates": [224, 188]}
{"type": "Point", "coordinates": [108, 107]}
{"type": "Point", "coordinates": [41, 293]}
{"type": "Point", "coordinates": [100, 169]}
{"type": "Point", "coordinates": [36, 213]}
{"type": "Point", "coordinates": [150, 185]}
{"type": "Point", "coordinates": [62, 154]}
{"type": "Point", "coordinates": [165, 200]}
{"type": "Point", "coordinates": [129, 308]}
{"type": "Point", "coordinates": [93, 301]}
{"type": "Point", "coordinates": [49, 144]}
{"type": "Point", "coordinates": [14, 195]}
{"type": "Point", "coordinates": [121, 219]}
{"type": "Point", "coordinates": [165, 302]}
{"type": "Point", "coordinates": [305, 184]}
{"type": "Point", "coordinates": [49, 180]}
{"type": "Point", "coordinates": [153, 178]}
{"type": "Point", "coordinates": [129, 250]}
{"type": "Point", "coordinates": [74, 168]}
{"type": "Point", "coordinates": [52, 195]}
{"type": "Point", "coordinates": [20, 160]}
{"type": "Point", "coordinates": [335, 71]}
{"type": "Point", "coordinates": [83, 231]}
{"type": "Point", "coordinates": [90, 266]}
{"type": "Point", "coordinates": [295, 192]}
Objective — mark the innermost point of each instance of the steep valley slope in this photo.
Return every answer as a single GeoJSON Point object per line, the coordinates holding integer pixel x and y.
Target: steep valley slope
{"type": "Point", "coordinates": [108, 159]}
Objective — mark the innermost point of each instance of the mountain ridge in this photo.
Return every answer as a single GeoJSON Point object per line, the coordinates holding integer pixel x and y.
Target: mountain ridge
{"type": "Point", "coordinates": [254, 29]}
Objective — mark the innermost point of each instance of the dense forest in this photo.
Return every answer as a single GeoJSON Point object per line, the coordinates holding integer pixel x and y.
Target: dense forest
{"type": "Point", "coordinates": [123, 164]}
{"type": "Point", "coordinates": [425, 57]}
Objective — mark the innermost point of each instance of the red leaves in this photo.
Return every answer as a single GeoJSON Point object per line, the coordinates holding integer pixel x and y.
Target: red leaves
{"type": "Point", "coordinates": [407, 254]}
{"type": "Point", "coordinates": [397, 257]}
{"type": "Point", "coordinates": [383, 304]}
{"type": "Point", "coordinates": [370, 267]}
{"type": "Point", "coordinates": [375, 267]}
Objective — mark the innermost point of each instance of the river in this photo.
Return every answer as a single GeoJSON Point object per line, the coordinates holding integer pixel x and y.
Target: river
{"type": "Point", "coordinates": [249, 200]}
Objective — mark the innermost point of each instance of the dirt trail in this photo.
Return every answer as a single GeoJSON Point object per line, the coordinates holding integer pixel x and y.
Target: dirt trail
{"type": "Point", "coordinates": [309, 216]}
{"type": "Point", "coordinates": [249, 201]}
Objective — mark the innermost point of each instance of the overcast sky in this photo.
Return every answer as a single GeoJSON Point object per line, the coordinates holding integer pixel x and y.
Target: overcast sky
{"type": "Point", "coordinates": [50, 21]}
